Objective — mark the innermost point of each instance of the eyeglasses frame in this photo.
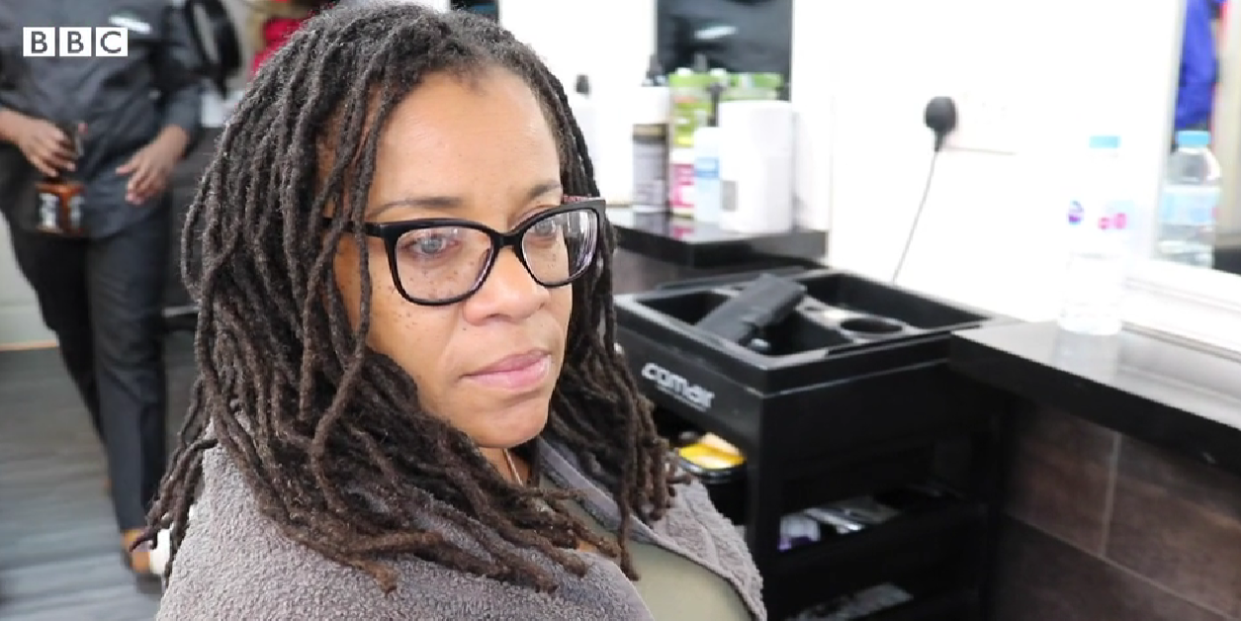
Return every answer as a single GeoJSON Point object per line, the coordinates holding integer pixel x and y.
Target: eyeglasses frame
{"type": "Point", "coordinates": [391, 233]}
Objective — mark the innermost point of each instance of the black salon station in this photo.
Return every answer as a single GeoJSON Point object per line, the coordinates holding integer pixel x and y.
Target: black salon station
{"type": "Point", "coordinates": [870, 390]}
{"type": "Point", "coordinates": [851, 395]}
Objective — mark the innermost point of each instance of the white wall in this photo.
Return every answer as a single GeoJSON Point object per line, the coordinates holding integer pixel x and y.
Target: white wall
{"type": "Point", "coordinates": [862, 74]}
{"type": "Point", "coordinates": [608, 40]}
{"type": "Point", "coordinates": [611, 41]}
{"type": "Point", "coordinates": [990, 232]}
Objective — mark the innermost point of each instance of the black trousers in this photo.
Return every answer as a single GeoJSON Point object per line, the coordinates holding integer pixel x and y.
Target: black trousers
{"type": "Point", "coordinates": [104, 300]}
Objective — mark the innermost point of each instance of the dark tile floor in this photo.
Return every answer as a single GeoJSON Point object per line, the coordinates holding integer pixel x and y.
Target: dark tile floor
{"type": "Point", "coordinates": [58, 541]}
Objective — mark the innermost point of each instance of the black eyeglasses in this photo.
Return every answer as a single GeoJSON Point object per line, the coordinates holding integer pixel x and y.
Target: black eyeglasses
{"type": "Point", "coordinates": [441, 261]}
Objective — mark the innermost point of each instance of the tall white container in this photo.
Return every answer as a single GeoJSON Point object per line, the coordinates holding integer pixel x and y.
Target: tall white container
{"type": "Point", "coordinates": [757, 166]}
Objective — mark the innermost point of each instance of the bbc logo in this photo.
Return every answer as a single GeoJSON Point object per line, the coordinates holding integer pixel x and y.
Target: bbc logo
{"type": "Point", "coordinates": [75, 42]}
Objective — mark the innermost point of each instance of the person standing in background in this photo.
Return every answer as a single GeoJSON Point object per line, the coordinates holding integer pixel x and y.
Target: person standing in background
{"type": "Point", "coordinates": [272, 22]}
{"type": "Point", "coordinates": [101, 292]}
{"type": "Point", "coordinates": [1196, 84]}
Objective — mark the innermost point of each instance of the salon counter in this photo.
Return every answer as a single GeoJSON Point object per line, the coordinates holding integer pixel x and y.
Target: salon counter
{"type": "Point", "coordinates": [1124, 478]}
{"type": "Point", "coordinates": [655, 249]}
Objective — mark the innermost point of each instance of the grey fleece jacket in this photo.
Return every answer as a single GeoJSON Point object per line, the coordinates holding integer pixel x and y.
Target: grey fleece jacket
{"type": "Point", "coordinates": [236, 566]}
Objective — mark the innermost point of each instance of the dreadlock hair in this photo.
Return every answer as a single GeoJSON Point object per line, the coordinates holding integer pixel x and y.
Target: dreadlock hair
{"type": "Point", "coordinates": [328, 433]}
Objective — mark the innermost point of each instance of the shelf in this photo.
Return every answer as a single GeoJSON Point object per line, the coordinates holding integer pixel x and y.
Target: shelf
{"type": "Point", "coordinates": [849, 479]}
{"type": "Point", "coordinates": [955, 606]}
{"type": "Point", "coordinates": [695, 244]}
{"type": "Point", "coordinates": [907, 546]}
{"type": "Point", "coordinates": [908, 530]}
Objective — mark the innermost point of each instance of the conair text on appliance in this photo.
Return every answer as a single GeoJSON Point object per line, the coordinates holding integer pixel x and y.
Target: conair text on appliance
{"type": "Point", "coordinates": [692, 394]}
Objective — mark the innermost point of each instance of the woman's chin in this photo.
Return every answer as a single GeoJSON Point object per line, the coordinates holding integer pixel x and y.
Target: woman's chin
{"type": "Point", "coordinates": [510, 427]}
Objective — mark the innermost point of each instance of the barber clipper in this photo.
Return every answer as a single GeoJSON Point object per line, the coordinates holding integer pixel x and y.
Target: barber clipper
{"type": "Point", "coordinates": [764, 302]}
{"type": "Point", "coordinates": [61, 196]}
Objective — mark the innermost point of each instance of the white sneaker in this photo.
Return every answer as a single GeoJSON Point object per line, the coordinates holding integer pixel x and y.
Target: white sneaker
{"type": "Point", "coordinates": [163, 548]}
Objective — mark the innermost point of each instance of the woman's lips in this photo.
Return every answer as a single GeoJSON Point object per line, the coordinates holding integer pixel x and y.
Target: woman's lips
{"type": "Point", "coordinates": [518, 373]}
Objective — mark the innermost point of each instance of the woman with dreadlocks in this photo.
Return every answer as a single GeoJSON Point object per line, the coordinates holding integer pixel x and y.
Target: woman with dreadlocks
{"type": "Point", "coordinates": [410, 405]}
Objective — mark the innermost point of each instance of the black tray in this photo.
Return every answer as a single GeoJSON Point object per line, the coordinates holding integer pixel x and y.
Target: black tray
{"type": "Point", "coordinates": [843, 316]}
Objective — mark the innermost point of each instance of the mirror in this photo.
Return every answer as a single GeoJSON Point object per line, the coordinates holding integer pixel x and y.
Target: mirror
{"type": "Point", "coordinates": [1199, 215]}
{"type": "Point", "coordinates": [740, 36]}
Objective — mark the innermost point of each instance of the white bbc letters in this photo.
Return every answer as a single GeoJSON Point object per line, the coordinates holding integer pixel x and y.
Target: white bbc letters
{"type": "Point", "coordinates": [75, 42]}
{"type": "Point", "coordinates": [38, 41]}
{"type": "Point", "coordinates": [111, 41]}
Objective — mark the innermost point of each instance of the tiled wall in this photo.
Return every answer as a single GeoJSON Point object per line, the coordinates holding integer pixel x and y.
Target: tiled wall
{"type": "Point", "coordinates": [1105, 528]}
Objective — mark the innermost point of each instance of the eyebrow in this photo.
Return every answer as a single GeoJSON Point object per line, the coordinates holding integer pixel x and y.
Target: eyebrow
{"type": "Point", "coordinates": [447, 202]}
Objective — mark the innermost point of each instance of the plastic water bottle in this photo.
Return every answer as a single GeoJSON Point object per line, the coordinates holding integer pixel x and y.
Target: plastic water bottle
{"type": "Point", "coordinates": [1099, 221]}
{"type": "Point", "coordinates": [708, 191]}
{"type": "Point", "coordinates": [1191, 191]}
{"type": "Point", "coordinates": [708, 195]}
{"type": "Point", "coordinates": [651, 114]}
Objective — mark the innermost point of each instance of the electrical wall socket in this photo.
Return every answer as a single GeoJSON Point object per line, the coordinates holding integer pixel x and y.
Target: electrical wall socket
{"type": "Point", "coordinates": [986, 123]}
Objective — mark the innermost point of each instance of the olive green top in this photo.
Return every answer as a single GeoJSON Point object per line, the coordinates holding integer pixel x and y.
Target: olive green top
{"type": "Point", "coordinates": [673, 587]}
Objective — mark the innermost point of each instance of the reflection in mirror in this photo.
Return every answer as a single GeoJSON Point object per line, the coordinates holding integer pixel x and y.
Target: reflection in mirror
{"type": "Point", "coordinates": [740, 36]}
{"type": "Point", "coordinates": [1199, 220]}
{"type": "Point", "coordinates": [490, 8]}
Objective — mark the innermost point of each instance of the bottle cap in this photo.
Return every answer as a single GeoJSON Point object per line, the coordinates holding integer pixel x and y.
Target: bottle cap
{"type": "Point", "coordinates": [717, 92]}
{"type": "Point", "coordinates": [582, 85]}
{"type": "Point", "coordinates": [701, 65]}
{"type": "Point", "coordinates": [1193, 139]}
{"type": "Point", "coordinates": [654, 73]}
{"type": "Point", "coordinates": [73, 132]}
{"type": "Point", "coordinates": [1105, 141]}
{"type": "Point", "coordinates": [70, 130]}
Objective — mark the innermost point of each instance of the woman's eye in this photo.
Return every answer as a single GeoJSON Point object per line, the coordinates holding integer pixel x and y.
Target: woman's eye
{"type": "Point", "coordinates": [547, 227]}
{"type": "Point", "coordinates": [430, 244]}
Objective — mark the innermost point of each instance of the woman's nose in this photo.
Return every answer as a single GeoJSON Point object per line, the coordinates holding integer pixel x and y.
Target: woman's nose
{"type": "Point", "coordinates": [508, 291]}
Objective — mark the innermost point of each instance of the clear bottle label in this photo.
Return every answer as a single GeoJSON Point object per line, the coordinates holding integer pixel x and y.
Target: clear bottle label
{"type": "Point", "coordinates": [75, 213]}
{"type": "Point", "coordinates": [728, 196]}
{"type": "Point", "coordinates": [1113, 215]}
{"type": "Point", "coordinates": [681, 186]}
{"type": "Point", "coordinates": [708, 196]}
{"type": "Point", "coordinates": [49, 211]}
{"type": "Point", "coordinates": [707, 168]}
{"type": "Point", "coordinates": [650, 172]}
{"type": "Point", "coordinates": [1099, 226]}
{"type": "Point", "coordinates": [1189, 205]}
